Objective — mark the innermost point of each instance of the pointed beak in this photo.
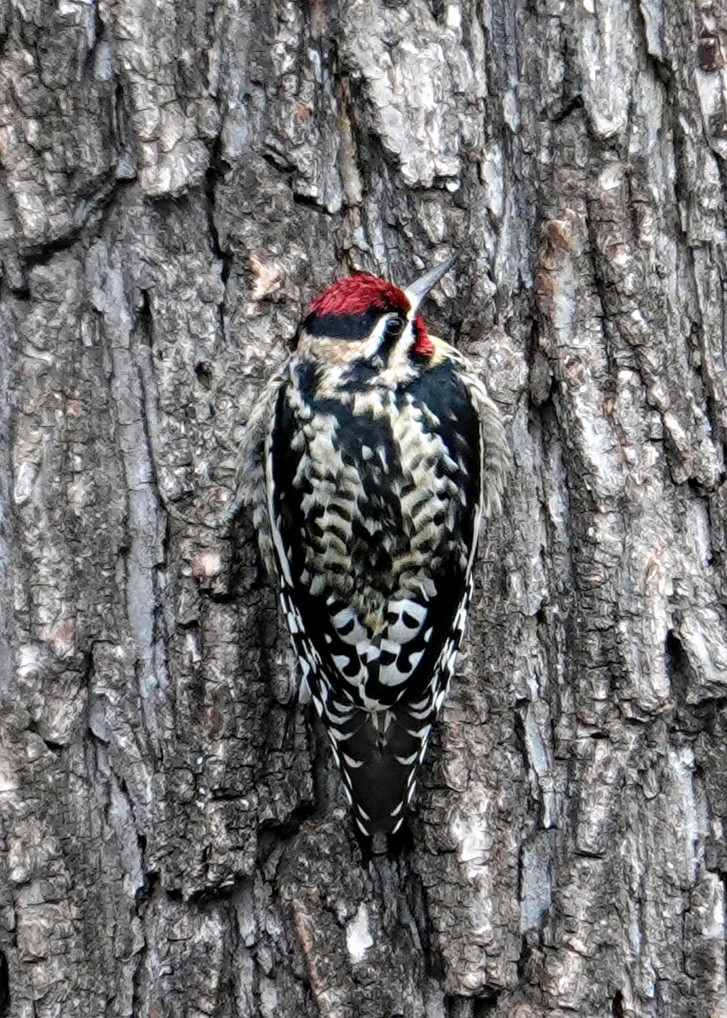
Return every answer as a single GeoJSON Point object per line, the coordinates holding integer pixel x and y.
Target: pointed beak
{"type": "Point", "coordinates": [417, 291]}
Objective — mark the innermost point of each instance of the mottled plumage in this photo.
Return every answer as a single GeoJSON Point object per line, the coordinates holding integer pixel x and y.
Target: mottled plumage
{"type": "Point", "coordinates": [368, 464]}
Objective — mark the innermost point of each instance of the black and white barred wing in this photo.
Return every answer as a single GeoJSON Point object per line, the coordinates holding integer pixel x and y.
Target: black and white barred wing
{"type": "Point", "coordinates": [379, 752]}
{"type": "Point", "coordinates": [380, 760]}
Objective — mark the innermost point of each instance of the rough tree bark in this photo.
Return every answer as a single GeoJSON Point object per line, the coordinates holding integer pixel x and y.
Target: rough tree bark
{"type": "Point", "coordinates": [179, 177]}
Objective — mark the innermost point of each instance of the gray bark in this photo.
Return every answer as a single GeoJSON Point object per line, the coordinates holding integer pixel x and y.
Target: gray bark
{"type": "Point", "coordinates": [178, 179]}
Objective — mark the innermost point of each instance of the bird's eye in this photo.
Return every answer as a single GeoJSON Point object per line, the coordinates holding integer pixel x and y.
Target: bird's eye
{"type": "Point", "coordinates": [394, 328]}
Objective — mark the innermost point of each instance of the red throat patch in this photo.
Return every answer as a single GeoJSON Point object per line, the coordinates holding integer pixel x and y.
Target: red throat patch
{"type": "Point", "coordinates": [423, 345]}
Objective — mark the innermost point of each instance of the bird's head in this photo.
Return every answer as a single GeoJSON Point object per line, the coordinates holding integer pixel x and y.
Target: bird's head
{"type": "Point", "coordinates": [367, 322]}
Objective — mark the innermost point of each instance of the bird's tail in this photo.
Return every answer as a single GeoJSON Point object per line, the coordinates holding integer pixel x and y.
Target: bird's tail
{"type": "Point", "coordinates": [378, 754]}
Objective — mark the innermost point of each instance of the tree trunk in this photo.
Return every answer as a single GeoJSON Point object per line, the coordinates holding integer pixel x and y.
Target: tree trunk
{"type": "Point", "coordinates": [179, 178]}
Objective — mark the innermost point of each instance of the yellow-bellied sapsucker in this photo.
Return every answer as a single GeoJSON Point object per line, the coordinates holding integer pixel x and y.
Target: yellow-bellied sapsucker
{"type": "Point", "coordinates": [368, 464]}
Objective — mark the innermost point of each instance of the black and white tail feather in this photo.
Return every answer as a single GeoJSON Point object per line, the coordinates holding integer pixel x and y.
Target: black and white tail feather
{"type": "Point", "coordinates": [367, 489]}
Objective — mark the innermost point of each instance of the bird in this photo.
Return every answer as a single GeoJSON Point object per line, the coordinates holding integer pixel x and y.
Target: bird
{"type": "Point", "coordinates": [369, 463]}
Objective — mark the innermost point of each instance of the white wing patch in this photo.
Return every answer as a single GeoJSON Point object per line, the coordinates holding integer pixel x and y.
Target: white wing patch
{"type": "Point", "coordinates": [405, 620]}
{"type": "Point", "coordinates": [348, 626]}
{"type": "Point", "coordinates": [390, 656]}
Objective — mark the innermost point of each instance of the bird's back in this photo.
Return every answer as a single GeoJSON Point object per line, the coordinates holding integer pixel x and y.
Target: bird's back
{"type": "Point", "coordinates": [375, 500]}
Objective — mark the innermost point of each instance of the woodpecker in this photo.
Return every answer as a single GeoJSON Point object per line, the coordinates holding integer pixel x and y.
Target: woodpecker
{"type": "Point", "coordinates": [368, 464]}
